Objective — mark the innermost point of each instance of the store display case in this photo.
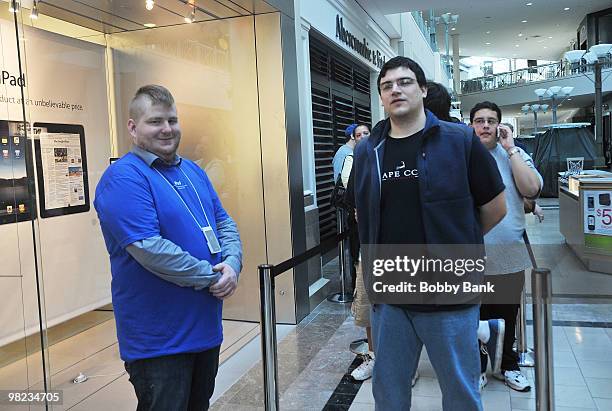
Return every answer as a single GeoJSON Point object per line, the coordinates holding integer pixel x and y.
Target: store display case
{"type": "Point", "coordinates": [585, 217]}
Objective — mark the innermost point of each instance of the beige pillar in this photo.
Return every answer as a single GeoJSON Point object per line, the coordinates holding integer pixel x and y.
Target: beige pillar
{"type": "Point", "coordinates": [456, 71]}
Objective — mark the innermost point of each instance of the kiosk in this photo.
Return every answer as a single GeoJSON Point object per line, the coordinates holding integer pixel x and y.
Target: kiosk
{"type": "Point", "coordinates": [585, 217]}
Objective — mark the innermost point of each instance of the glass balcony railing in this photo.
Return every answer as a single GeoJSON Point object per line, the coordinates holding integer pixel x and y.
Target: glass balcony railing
{"type": "Point", "coordinates": [528, 75]}
{"type": "Point", "coordinates": [423, 27]}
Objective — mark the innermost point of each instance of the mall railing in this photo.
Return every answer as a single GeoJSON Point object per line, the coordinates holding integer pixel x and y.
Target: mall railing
{"type": "Point", "coordinates": [541, 291]}
{"type": "Point", "coordinates": [422, 25]}
{"type": "Point", "coordinates": [527, 75]}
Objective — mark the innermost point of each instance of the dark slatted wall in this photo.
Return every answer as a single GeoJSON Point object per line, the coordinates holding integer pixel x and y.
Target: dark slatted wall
{"type": "Point", "coordinates": [340, 96]}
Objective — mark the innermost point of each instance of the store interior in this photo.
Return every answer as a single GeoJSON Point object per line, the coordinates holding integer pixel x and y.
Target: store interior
{"type": "Point", "coordinates": [68, 75]}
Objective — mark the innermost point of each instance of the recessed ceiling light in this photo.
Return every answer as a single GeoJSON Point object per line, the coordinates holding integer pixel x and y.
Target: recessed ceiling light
{"type": "Point", "coordinates": [488, 44]}
{"type": "Point", "coordinates": [569, 99]}
{"type": "Point", "coordinates": [529, 4]}
{"type": "Point", "coordinates": [520, 34]}
{"type": "Point", "coordinates": [545, 47]}
{"type": "Point", "coordinates": [550, 37]}
{"type": "Point", "coordinates": [488, 32]}
{"type": "Point", "coordinates": [453, 29]}
{"type": "Point", "coordinates": [523, 21]}
{"type": "Point", "coordinates": [149, 25]}
{"type": "Point", "coordinates": [566, 9]}
{"type": "Point", "coordinates": [516, 45]}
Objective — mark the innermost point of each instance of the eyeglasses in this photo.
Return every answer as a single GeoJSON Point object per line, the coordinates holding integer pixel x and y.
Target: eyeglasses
{"type": "Point", "coordinates": [482, 121]}
{"type": "Point", "coordinates": [403, 82]}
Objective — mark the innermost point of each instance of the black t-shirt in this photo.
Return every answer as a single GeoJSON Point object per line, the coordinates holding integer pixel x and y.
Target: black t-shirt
{"type": "Point", "coordinates": [401, 220]}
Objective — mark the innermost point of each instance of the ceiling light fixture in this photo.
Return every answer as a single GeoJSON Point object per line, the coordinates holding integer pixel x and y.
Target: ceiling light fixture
{"type": "Point", "coordinates": [34, 12]}
{"type": "Point", "coordinates": [520, 34]}
{"type": "Point", "coordinates": [453, 29]}
{"type": "Point", "coordinates": [14, 6]}
{"type": "Point", "coordinates": [488, 44]}
{"type": "Point", "coordinates": [523, 21]}
{"type": "Point", "coordinates": [149, 4]}
{"type": "Point", "coordinates": [190, 17]}
{"type": "Point", "coordinates": [566, 9]}
{"type": "Point", "coordinates": [529, 4]}
{"type": "Point", "coordinates": [516, 45]}
{"type": "Point", "coordinates": [149, 25]}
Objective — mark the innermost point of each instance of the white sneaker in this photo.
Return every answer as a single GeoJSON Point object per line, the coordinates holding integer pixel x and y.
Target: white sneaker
{"type": "Point", "coordinates": [482, 381]}
{"type": "Point", "coordinates": [515, 380]}
{"type": "Point", "coordinates": [415, 378]}
{"type": "Point", "coordinates": [364, 371]}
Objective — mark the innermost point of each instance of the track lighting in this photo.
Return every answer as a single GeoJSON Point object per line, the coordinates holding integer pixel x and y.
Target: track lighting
{"type": "Point", "coordinates": [190, 17]}
{"type": "Point", "coordinates": [14, 6]}
{"type": "Point", "coordinates": [34, 12]}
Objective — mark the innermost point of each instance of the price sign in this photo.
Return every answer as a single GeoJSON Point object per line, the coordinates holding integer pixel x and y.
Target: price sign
{"type": "Point", "coordinates": [598, 212]}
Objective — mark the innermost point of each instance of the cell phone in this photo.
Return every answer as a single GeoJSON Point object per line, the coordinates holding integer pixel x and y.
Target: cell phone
{"type": "Point", "coordinates": [590, 202]}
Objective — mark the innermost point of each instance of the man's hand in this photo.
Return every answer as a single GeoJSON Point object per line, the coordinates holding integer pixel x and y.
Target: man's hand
{"type": "Point", "coordinates": [506, 139]}
{"type": "Point", "coordinates": [538, 212]}
{"type": "Point", "coordinates": [225, 287]}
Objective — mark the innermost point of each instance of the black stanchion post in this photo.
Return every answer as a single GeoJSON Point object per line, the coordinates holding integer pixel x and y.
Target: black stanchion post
{"type": "Point", "coordinates": [342, 296]}
{"type": "Point", "coordinates": [269, 355]}
{"type": "Point", "coordinates": [541, 289]}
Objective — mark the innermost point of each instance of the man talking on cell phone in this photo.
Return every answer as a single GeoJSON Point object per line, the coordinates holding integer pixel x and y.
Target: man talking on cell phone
{"type": "Point", "coordinates": [507, 256]}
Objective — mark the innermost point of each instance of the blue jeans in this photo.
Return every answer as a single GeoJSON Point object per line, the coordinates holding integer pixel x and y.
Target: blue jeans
{"type": "Point", "coordinates": [451, 343]}
{"type": "Point", "coordinates": [181, 382]}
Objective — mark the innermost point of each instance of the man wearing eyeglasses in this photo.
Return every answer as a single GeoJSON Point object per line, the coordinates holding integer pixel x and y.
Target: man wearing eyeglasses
{"type": "Point", "coordinates": [507, 256]}
{"type": "Point", "coordinates": [422, 181]}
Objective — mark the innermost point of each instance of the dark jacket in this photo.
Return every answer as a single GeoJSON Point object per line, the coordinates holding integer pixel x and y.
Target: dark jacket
{"type": "Point", "coordinates": [448, 210]}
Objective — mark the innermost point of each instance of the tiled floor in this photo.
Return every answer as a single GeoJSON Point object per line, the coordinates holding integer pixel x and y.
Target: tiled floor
{"type": "Point", "coordinates": [312, 363]}
{"type": "Point", "coordinates": [94, 352]}
{"type": "Point", "coordinates": [314, 360]}
{"type": "Point", "coordinates": [582, 377]}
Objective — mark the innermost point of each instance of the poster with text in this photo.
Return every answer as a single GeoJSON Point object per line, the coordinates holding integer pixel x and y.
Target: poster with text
{"type": "Point", "coordinates": [598, 212]}
{"type": "Point", "coordinates": [62, 169]}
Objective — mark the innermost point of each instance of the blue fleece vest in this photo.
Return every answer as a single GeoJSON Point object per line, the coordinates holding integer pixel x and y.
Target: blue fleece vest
{"type": "Point", "coordinates": [448, 210]}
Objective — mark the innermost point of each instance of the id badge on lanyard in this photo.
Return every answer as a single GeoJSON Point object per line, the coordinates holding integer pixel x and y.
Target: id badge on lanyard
{"type": "Point", "coordinates": [211, 240]}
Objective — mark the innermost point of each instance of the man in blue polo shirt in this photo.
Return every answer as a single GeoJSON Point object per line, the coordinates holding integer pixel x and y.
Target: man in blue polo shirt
{"type": "Point", "coordinates": [175, 255]}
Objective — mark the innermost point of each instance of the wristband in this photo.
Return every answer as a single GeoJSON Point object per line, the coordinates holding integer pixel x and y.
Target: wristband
{"type": "Point", "coordinates": [513, 151]}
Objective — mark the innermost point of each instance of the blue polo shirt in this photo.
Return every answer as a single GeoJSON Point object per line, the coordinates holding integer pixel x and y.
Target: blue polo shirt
{"type": "Point", "coordinates": [155, 317]}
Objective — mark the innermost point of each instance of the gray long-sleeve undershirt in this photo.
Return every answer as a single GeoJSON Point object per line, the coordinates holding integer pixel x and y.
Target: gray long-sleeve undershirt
{"type": "Point", "coordinates": [170, 262]}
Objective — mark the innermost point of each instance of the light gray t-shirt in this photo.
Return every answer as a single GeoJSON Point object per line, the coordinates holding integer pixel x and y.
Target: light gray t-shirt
{"type": "Point", "coordinates": [339, 157]}
{"type": "Point", "coordinates": [506, 250]}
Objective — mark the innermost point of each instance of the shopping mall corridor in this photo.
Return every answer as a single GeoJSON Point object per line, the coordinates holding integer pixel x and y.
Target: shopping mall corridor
{"type": "Point", "coordinates": [314, 360]}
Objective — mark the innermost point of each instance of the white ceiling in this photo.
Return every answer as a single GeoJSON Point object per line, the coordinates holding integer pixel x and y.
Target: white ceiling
{"type": "Point", "coordinates": [503, 18]}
